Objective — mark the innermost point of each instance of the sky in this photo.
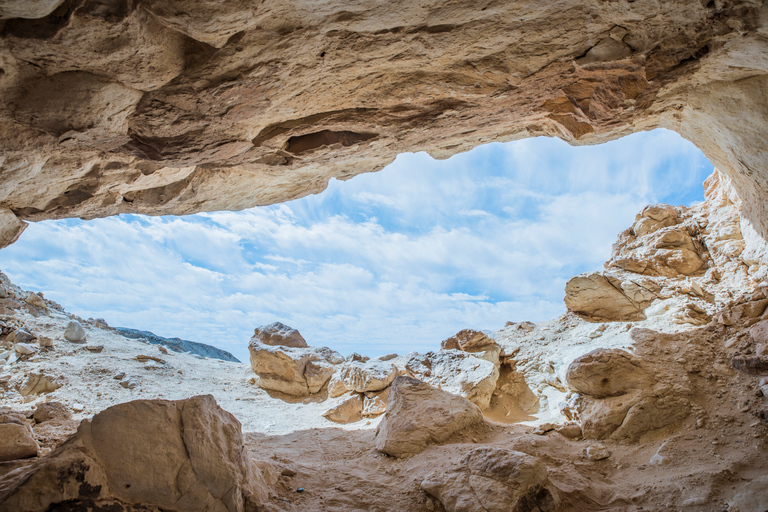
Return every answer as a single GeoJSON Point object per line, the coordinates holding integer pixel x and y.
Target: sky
{"type": "Point", "coordinates": [392, 261]}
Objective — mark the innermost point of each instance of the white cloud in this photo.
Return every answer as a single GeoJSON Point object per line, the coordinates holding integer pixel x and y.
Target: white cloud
{"type": "Point", "coordinates": [390, 261]}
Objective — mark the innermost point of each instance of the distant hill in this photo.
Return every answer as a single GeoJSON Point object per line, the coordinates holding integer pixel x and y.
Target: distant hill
{"type": "Point", "coordinates": [178, 345]}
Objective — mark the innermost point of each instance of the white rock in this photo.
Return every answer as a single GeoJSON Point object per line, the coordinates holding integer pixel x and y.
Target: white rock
{"type": "Point", "coordinates": [74, 332]}
{"type": "Point", "coordinates": [597, 452]}
{"type": "Point", "coordinates": [361, 377]}
{"type": "Point", "coordinates": [25, 349]}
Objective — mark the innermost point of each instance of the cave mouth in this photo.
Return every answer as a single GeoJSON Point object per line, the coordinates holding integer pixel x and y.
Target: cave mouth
{"type": "Point", "coordinates": [392, 261]}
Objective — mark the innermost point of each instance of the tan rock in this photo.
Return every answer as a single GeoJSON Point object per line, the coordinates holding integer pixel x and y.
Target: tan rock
{"type": "Point", "coordinates": [16, 442]}
{"type": "Point", "coordinates": [278, 334]}
{"type": "Point", "coordinates": [600, 296]}
{"type": "Point", "coordinates": [420, 415]}
{"type": "Point", "coordinates": [11, 227]}
{"type": "Point", "coordinates": [456, 372]}
{"type": "Point", "coordinates": [375, 404]}
{"type": "Point", "coordinates": [173, 455]}
{"type": "Point", "coordinates": [348, 411]}
{"type": "Point", "coordinates": [474, 342]}
{"type": "Point", "coordinates": [34, 299]}
{"type": "Point", "coordinates": [169, 108]}
{"type": "Point", "coordinates": [293, 371]}
{"type": "Point", "coordinates": [51, 411]}
{"type": "Point", "coordinates": [37, 383]}
{"type": "Point", "coordinates": [493, 480]}
{"type": "Point", "coordinates": [607, 372]}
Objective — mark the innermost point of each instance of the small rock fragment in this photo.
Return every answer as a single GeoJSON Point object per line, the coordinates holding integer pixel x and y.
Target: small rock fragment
{"type": "Point", "coordinates": [25, 349]}
{"type": "Point", "coordinates": [23, 336]}
{"type": "Point", "coordinates": [16, 441]}
{"type": "Point", "coordinates": [94, 348]}
{"type": "Point", "coordinates": [597, 452]}
{"type": "Point", "coordinates": [37, 383]}
{"type": "Point", "coordinates": [45, 342]}
{"type": "Point", "coordinates": [348, 411]}
{"type": "Point", "coordinates": [51, 411]}
{"type": "Point", "coordinates": [130, 382]}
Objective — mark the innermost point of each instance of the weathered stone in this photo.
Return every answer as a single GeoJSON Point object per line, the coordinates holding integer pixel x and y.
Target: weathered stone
{"type": "Point", "coordinates": [170, 108]}
{"type": "Point", "coordinates": [23, 336]}
{"type": "Point", "coordinates": [375, 404]}
{"type": "Point", "coordinates": [420, 415]}
{"type": "Point", "coordinates": [74, 332]}
{"type": "Point", "coordinates": [456, 372]}
{"type": "Point", "coordinates": [51, 411]}
{"type": "Point", "coordinates": [96, 349]}
{"type": "Point", "coordinates": [25, 349]}
{"type": "Point", "coordinates": [599, 296]}
{"type": "Point", "coordinates": [34, 299]}
{"type": "Point", "coordinates": [361, 377]}
{"type": "Point", "coordinates": [290, 370]}
{"type": "Point", "coordinates": [348, 411]}
{"type": "Point", "coordinates": [11, 227]}
{"type": "Point", "coordinates": [147, 454]}
{"type": "Point", "coordinates": [16, 442]}
{"type": "Point", "coordinates": [493, 480]}
{"type": "Point", "coordinates": [607, 372]}
{"type": "Point", "coordinates": [278, 334]}
{"type": "Point", "coordinates": [354, 356]}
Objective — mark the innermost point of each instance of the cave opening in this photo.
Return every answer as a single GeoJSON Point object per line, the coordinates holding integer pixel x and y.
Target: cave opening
{"type": "Point", "coordinates": [387, 262]}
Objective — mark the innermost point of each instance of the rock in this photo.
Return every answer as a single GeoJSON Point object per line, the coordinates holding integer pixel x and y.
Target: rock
{"type": "Point", "coordinates": [290, 370]}
{"type": "Point", "coordinates": [11, 227]}
{"type": "Point", "coordinates": [456, 372]}
{"type": "Point", "coordinates": [375, 404]}
{"type": "Point", "coordinates": [34, 299]}
{"type": "Point", "coordinates": [23, 336]}
{"type": "Point", "coordinates": [474, 342]}
{"type": "Point", "coordinates": [600, 296]}
{"type": "Point", "coordinates": [37, 383]}
{"type": "Point", "coordinates": [348, 411]}
{"type": "Point", "coordinates": [51, 411]}
{"type": "Point", "coordinates": [493, 480]}
{"type": "Point", "coordinates": [420, 415]}
{"type": "Point", "coordinates": [599, 451]}
{"type": "Point", "coordinates": [25, 349]}
{"type": "Point", "coordinates": [142, 358]}
{"type": "Point", "coordinates": [387, 357]}
{"type": "Point", "coordinates": [163, 350]}
{"type": "Point", "coordinates": [146, 454]}
{"type": "Point", "coordinates": [279, 335]}
{"type": "Point", "coordinates": [74, 332]}
{"type": "Point", "coordinates": [357, 357]}
{"type": "Point", "coordinates": [45, 342]}
{"type": "Point", "coordinates": [119, 376]}
{"type": "Point", "coordinates": [570, 430]}
{"type": "Point", "coordinates": [96, 349]}
{"type": "Point", "coordinates": [607, 372]}
{"type": "Point", "coordinates": [751, 497]}
{"type": "Point", "coordinates": [16, 442]}
{"type": "Point", "coordinates": [130, 382]}
{"type": "Point", "coordinates": [361, 377]}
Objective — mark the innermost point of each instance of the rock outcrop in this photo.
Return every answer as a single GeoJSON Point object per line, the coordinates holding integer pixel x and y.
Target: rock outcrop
{"type": "Point", "coordinates": [178, 344]}
{"type": "Point", "coordinates": [147, 454]}
{"type": "Point", "coordinates": [154, 108]}
{"type": "Point", "coordinates": [420, 415]}
{"type": "Point", "coordinates": [493, 480]}
{"type": "Point", "coordinates": [279, 335]}
{"type": "Point", "coordinates": [16, 440]}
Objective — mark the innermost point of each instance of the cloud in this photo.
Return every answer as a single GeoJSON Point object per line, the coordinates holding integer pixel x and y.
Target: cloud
{"type": "Point", "coordinates": [386, 262]}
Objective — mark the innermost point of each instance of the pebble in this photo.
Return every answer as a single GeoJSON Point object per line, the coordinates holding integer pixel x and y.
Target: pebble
{"type": "Point", "coordinates": [45, 342]}
{"type": "Point", "coordinates": [94, 348]}
{"type": "Point", "coordinates": [597, 452]}
{"type": "Point", "coordinates": [78, 407]}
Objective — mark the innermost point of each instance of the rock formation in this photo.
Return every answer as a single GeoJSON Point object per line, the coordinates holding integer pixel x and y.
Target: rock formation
{"type": "Point", "coordinates": [161, 107]}
{"type": "Point", "coordinates": [147, 454]}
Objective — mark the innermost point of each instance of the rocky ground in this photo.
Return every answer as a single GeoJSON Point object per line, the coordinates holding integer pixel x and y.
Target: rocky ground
{"type": "Point", "coordinates": [650, 394]}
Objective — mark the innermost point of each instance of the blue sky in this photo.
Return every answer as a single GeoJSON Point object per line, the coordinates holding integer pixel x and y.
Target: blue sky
{"type": "Point", "coordinates": [392, 261]}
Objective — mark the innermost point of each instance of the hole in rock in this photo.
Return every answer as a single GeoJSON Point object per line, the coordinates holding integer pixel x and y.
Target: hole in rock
{"type": "Point", "coordinates": [387, 262]}
{"type": "Point", "coordinates": [303, 143]}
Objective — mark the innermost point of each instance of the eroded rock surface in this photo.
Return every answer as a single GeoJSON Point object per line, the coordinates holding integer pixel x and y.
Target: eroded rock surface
{"type": "Point", "coordinates": [162, 108]}
{"type": "Point", "coordinates": [157, 454]}
{"type": "Point", "coordinates": [292, 370]}
{"type": "Point", "coordinates": [420, 415]}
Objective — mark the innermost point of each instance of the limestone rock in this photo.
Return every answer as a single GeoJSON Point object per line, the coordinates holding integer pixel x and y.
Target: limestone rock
{"type": "Point", "coordinates": [607, 372]}
{"type": "Point", "coordinates": [752, 496]}
{"type": "Point", "coordinates": [354, 356]}
{"type": "Point", "coordinates": [600, 296]}
{"type": "Point", "coordinates": [290, 370]}
{"type": "Point", "coordinates": [474, 342]}
{"type": "Point", "coordinates": [16, 441]}
{"type": "Point", "coordinates": [51, 411]}
{"type": "Point", "coordinates": [37, 383]}
{"type": "Point", "coordinates": [494, 480]}
{"type": "Point", "coordinates": [375, 404]}
{"type": "Point", "coordinates": [361, 377]}
{"type": "Point", "coordinates": [348, 411]}
{"type": "Point", "coordinates": [598, 451]}
{"type": "Point", "coordinates": [25, 349]}
{"type": "Point", "coordinates": [11, 227]}
{"type": "Point", "coordinates": [23, 336]}
{"type": "Point", "coordinates": [278, 334]}
{"type": "Point", "coordinates": [420, 415]}
{"type": "Point", "coordinates": [149, 454]}
{"type": "Point", "coordinates": [456, 372]}
{"type": "Point", "coordinates": [167, 107]}
{"type": "Point", "coordinates": [74, 332]}
{"type": "Point", "coordinates": [34, 299]}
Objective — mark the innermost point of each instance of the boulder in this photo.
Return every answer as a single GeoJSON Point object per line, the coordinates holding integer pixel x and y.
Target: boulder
{"type": "Point", "coordinates": [457, 372]}
{"type": "Point", "coordinates": [607, 372]}
{"type": "Point", "coordinates": [419, 415]}
{"type": "Point", "coordinates": [34, 299]}
{"type": "Point", "coordinates": [74, 332]}
{"type": "Point", "coordinates": [51, 411]}
{"type": "Point", "coordinates": [279, 335]}
{"type": "Point", "coordinates": [600, 297]}
{"type": "Point", "coordinates": [16, 441]}
{"type": "Point", "coordinates": [474, 342]}
{"type": "Point", "coordinates": [291, 370]}
{"type": "Point", "coordinates": [493, 480]}
{"type": "Point", "coordinates": [23, 336]}
{"type": "Point", "coordinates": [147, 454]}
{"type": "Point", "coordinates": [361, 377]}
{"type": "Point", "coordinates": [348, 411]}
{"type": "Point", "coordinates": [37, 383]}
